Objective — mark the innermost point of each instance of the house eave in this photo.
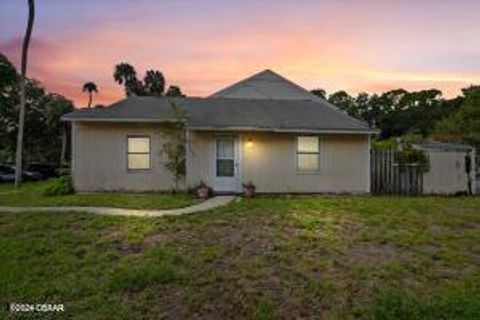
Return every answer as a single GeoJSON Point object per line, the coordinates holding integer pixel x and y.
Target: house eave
{"type": "Point", "coordinates": [126, 120]}
{"type": "Point", "coordinates": [280, 130]}
{"type": "Point", "coordinates": [212, 128]}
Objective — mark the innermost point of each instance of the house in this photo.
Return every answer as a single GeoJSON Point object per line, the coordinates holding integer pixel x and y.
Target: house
{"type": "Point", "coordinates": [264, 129]}
{"type": "Point", "coordinates": [451, 168]}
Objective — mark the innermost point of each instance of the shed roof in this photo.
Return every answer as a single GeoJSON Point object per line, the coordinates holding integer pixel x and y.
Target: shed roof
{"type": "Point", "coordinates": [443, 146]}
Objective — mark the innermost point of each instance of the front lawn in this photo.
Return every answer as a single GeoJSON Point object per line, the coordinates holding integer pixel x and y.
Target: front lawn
{"type": "Point", "coordinates": [267, 258]}
{"type": "Point", "coordinates": [31, 194]}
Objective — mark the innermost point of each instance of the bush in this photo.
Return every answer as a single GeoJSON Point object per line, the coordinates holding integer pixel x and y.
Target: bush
{"type": "Point", "coordinates": [410, 155]}
{"type": "Point", "coordinates": [387, 144]}
{"type": "Point", "coordinates": [60, 186]}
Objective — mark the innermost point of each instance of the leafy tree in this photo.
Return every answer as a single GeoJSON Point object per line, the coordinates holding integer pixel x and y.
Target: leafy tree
{"type": "Point", "coordinates": [174, 91]}
{"type": "Point", "coordinates": [372, 112]}
{"type": "Point", "coordinates": [362, 106]}
{"type": "Point", "coordinates": [154, 83]}
{"type": "Point", "coordinates": [468, 91]}
{"type": "Point", "coordinates": [43, 129]}
{"type": "Point", "coordinates": [345, 102]}
{"type": "Point", "coordinates": [463, 126]}
{"type": "Point", "coordinates": [448, 129]}
{"type": "Point", "coordinates": [54, 107]}
{"type": "Point", "coordinates": [90, 87]}
{"type": "Point", "coordinates": [320, 93]}
{"type": "Point", "coordinates": [9, 100]}
{"type": "Point", "coordinates": [422, 109]}
{"type": "Point", "coordinates": [21, 125]}
{"type": "Point", "coordinates": [398, 112]}
{"type": "Point", "coordinates": [8, 76]}
{"type": "Point", "coordinates": [470, 116]}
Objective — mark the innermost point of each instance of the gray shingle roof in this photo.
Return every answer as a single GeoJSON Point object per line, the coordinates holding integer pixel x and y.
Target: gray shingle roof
{"type": "Point", "coordinates": [267, 85]}
{"type": "Point", "coordinates": [264, 101]}
{"type": "Point", "coordinates": [227, 113]}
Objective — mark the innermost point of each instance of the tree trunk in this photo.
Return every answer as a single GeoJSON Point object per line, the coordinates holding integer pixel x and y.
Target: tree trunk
{"type": "Point", "coordinates": [90, 100]}
{"type": "Point", "coordinates": [21, 124]}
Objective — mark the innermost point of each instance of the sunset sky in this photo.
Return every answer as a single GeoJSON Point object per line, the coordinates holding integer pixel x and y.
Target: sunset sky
{"type": "Point", "coordinates": [204, 45]}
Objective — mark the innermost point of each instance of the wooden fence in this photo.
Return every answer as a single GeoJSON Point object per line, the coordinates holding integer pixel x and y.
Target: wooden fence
{"type": "Point", "coordinates": [388, 177]}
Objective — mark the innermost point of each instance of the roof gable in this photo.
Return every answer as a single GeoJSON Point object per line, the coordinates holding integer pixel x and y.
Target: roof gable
{"type": "Point", "coordinates": [266, 85]}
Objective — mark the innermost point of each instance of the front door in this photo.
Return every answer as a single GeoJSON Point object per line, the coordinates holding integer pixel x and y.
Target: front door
{"type": "Point", "coordinates": [226, 164]}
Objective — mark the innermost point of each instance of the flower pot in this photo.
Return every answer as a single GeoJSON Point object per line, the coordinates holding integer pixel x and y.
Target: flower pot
{"type": "Point", "coordinates": [202, 192]}
{"type": "Point", "coordinates": [249, 192]}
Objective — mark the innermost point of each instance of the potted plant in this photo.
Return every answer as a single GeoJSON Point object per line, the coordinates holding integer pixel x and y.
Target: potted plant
{"type": "Point", "coordinates": [249, 189]}
{"type": "Point", "coordinates": [202, 190]}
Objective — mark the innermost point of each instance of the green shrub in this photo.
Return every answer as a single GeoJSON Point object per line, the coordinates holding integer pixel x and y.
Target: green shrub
{"type": "Point", "coordinates": [409, 155]}
{"type": "Point", "coordinates": [387, 144]}
{"type": "Point", "coordinates": [60, 186]}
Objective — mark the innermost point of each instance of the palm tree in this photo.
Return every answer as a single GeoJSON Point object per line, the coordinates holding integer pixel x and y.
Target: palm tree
{"type": "Point", "coordinates": [90, 87]}
{"type": "Point", "coordinates": [21, 124]}
{"type": "Point", "coordinates": [154, 83]}
{"type": "Point", "coordinates": [174, 91]}
{"type": "Point", "coordinates": [125, 74]}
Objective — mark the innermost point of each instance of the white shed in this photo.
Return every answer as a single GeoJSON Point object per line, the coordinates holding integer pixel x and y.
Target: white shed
{"type": "Point", "coordinates": [448, 172]}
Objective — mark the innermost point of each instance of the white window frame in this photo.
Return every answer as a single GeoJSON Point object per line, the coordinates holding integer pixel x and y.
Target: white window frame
{"type": "Point", "coordinates": [149, 153]}
{"type": "Point", "coordinates": [318, 153]}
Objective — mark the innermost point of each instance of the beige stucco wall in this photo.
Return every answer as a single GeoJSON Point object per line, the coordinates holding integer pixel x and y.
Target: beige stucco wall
{"type": "Point", "coordinates": [271, 163]}
{"type": "Point", "coordinates": [200, 158]}
{"type": "Point", "coordinates": [447, 173]}
{"type": "Point", "coordinates": [100, 158]}
{"type": "Point", "coordinates": [100, 161]}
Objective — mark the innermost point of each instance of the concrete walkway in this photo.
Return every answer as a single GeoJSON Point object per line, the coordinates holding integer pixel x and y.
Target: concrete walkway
{"type": "Point", "coordinates": [211, 203]}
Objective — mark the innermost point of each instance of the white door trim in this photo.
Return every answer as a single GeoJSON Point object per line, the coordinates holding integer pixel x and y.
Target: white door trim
{"type": "Point", "coordinates": [227, 184]}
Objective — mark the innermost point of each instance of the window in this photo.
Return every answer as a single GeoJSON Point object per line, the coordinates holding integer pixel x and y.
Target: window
{"type": "Point", "coordinates": [138, 153]}
{"type": "Point", "coordinates": [308, 153]}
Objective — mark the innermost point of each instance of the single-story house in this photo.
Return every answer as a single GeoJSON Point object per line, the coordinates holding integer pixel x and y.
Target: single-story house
{"type": "Point", "coordinates": [451, 168]}
{"type": "Point", "coordinates": [264, 129]}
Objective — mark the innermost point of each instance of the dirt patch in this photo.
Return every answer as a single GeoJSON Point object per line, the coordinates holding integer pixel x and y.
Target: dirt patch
{"type": "Point", "coordinates": [79, 223]}
{"type": "Point", "coordinates": [374, 254]}
{"type": "Point", "coordinates": [470, 225]}
{"type": "Point", "coordinates": [166, 301]}
{"type": "Point", "coordinates": [232, 233]}
{"type": "Point", "coordinates": [350, 227]}
{"type": "Point", "coordinates": [171, 302]}
{"type": "Point", "coordinates": [435, 228]}
{"type": "Point", "coordinates": [112, 232]}
{"type": "Point", "coordinates": [154, 239]}
{"type": "Point", "coordinates": [125, 247]}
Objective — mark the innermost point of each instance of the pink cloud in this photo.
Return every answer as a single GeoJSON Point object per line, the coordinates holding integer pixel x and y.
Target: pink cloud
{"type": "Point", "coordinates": [335, 47]}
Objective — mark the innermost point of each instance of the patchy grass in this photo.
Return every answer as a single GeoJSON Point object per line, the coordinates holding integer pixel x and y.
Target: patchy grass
{"type": "Point", "coordinates": [266, 258]}
{"type": "Point", "coordinates": [32, 194]}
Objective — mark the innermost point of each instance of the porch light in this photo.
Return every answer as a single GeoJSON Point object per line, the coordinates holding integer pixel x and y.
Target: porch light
{"type": "Point", "coordinates": [249, 143]}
